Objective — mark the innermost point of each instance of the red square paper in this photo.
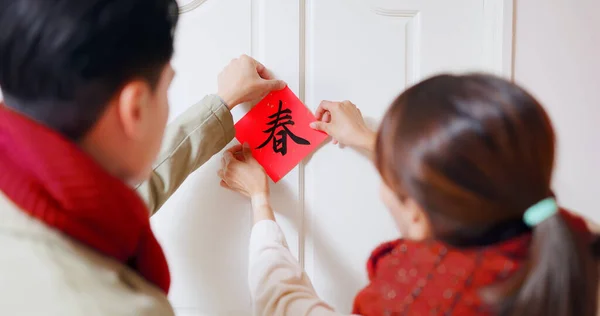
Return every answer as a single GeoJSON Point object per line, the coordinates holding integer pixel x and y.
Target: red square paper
{"type": "Point", "coordinates": [278, 132]}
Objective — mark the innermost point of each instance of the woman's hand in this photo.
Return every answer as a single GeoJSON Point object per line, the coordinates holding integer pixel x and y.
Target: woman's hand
{"type": "Point", "coordinates": [344, 122]}
{"type": "Point", "coordinates": [241, 173]}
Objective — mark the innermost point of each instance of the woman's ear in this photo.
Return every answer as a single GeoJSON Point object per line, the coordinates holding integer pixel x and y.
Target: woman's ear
{"type": "Point", "coordinates": [132, 103]}
{"type": "Point", "coordinates": [412, 209]}
{"type": "Point", "coordinates": [420, 225]}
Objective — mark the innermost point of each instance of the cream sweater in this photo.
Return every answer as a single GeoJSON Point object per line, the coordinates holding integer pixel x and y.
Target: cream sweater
{"type": "Point", "coordinates": [278, 284]}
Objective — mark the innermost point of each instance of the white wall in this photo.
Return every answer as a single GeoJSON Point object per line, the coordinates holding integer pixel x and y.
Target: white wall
{"type": "Point", "coordinates": [558, 60]}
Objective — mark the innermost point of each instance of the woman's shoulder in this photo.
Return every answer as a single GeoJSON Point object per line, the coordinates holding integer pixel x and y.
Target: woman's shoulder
{"type": "Point", "coordinates": [380, 252]}
{"type": "Point", "coordinates": [579, 223]}
{"type": "Point", "coordinates": [430, 276]}
{"type": "Point", "coordinates": [422, 255]}
{"type": "Point", "coordinates": [397, 251]}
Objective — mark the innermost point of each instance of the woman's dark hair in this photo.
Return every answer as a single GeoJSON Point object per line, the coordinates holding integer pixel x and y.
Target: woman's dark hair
{"type": "Point", "coordinates": [61, 61]}
{"type": "Point", "coordinates": [476, 151]}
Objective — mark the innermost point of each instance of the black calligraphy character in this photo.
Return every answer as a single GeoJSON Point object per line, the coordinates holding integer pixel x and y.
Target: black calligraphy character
{"type": "Point", "coordinates": [280, 121]}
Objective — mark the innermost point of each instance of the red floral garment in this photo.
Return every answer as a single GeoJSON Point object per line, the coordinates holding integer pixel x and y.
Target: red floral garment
{"type": "Point", "coordinates": [431, 278]}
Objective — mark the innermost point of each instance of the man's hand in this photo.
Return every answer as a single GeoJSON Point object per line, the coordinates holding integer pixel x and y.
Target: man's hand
{"type": "Point", "coordinates": [244, 80]}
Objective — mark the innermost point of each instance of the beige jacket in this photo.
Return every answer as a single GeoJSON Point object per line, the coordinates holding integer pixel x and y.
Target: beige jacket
{"type": "Point", "coordinates": [43, 272]}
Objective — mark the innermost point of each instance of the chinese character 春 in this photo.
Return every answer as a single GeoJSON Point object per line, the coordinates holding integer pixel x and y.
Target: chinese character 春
{"type": "Point", "coordinates": [279, 131]}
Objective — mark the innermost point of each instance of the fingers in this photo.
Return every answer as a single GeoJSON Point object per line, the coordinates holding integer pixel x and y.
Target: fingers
{"type": "Point", "coordinates": [275, 85]}
{"type": "Point", "coordinates": [224, 185]}
{"type": "Point", "coordinates": [239, 156]}
{"type": "Point", "coordinates": [228, 156]}
{"type": "Point", "coordinates": [320, 126]}
{"type": "Point", "coordinates": [320, 113]}
{"type": "Point", "coordinates": [325, 106]}
{"type": "Point", "coordinates": [247, 152]}
{"type": "Point", "coordinates": [221, 174]}
{"type": "Point", "coordinates": [234, 150]}
{"type": "Point", "coordinates": [227, 162]}
{"type": "Point", "coordinates": [262, 71]}
{"type": "Point", "coordinates": [269, 82]}
{"type": "Point", "coordinates": [237, 153]}
{"type": "Point", "coordinates": [260, 68]}
{"type": "Point", "coordinates": [326, 117]}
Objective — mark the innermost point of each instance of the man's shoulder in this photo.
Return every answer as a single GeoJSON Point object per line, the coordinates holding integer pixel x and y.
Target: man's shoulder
{"type": "Point", "coordinates": [43, 272]}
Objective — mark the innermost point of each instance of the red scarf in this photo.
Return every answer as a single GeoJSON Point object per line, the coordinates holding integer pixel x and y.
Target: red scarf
{"type": "Point", "coordinates": [430, 278]}
{"type": "Point", "coordinates": [53, 180]}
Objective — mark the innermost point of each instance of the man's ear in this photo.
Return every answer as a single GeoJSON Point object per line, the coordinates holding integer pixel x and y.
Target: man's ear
{"type": "Point", "coordinates": [132, 102]}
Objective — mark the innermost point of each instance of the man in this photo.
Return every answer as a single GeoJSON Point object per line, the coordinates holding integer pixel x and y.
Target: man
{"type": "Point", "coordinates": [85, 87]}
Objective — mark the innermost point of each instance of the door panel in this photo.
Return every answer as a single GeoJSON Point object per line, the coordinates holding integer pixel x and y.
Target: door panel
{"type": "Point", "coordinates": [328, 207]}
{"type": "Point", "coordinates": [203, 228]}
{"type": "Point", "coordinates": [368, 52]}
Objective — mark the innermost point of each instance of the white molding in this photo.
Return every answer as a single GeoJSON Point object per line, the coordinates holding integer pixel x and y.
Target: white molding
{"type": "Point", "coordinates": [302, 56]}
{"type": "Point", "coordinates": [193, 5]}
{"type": "Point", "coordinates": [256, 49]}
{"type": "Point", "coordinates": [306, 247]}
{"type": "Point", "coordinates": [413, 41]}
{"type": "Point", "coordinates": [396, 13]}
{"type": "Point", "coordinates": [498, 37]}
{"type": "Point", "coordinates": [510, 36]}
{"type": "Point", "coordinates": [275, 40]}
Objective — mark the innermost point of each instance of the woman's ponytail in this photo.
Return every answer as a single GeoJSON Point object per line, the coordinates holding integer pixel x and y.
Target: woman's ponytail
{"type": "Point", "coordinates": [561, 278]}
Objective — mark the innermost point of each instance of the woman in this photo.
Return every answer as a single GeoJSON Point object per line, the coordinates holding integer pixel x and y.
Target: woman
{"type": "Point", "coordinates": [466, 163]}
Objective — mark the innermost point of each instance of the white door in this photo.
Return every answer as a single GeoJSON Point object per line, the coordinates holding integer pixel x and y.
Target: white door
{"type": "Point", "coordinates": [366, 51]}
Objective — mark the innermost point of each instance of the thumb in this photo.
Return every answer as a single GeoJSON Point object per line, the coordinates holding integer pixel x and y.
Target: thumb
{"type": "Point", "coordinates": [275, 85]}
{"type": "Point", "coordinates": [247, 152]}
{"type": "Point", "coordinates": [320, 126]}
{"type": "Point", "coordinates": [227, 155]}
{"type": "Point", "coordinates": [228, 158]}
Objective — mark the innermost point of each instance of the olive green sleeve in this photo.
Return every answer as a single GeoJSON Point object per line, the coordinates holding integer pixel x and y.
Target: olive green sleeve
{"type": "Point", "coordinates": [189, 141]}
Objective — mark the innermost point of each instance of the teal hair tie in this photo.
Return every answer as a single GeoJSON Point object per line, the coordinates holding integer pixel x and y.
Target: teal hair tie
{"type": "Point", "coordinates": [540, 212]}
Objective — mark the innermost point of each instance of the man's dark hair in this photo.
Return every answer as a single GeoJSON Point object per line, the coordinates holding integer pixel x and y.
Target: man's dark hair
{"type": "Point", "coordinates": [61, 61]}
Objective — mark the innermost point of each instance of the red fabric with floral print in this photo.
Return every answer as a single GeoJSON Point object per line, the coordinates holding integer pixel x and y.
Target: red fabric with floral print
{"type": "Point", "coordinates": [418, 278]}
